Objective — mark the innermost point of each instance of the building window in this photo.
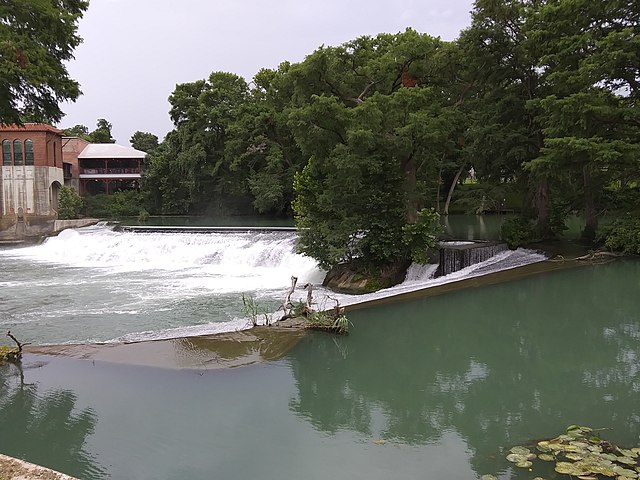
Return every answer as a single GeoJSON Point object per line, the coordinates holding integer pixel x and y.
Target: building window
{"type": "Point", "coordinates": [6, 152]}
{"type": "Point", "coordinates": [28, 152]}
{"type": "Point", "coordinates": [17, 152]}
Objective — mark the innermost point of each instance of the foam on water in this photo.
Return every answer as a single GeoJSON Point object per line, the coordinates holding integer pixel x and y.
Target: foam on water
{"type": "Point", "coordinates": [120, 286]}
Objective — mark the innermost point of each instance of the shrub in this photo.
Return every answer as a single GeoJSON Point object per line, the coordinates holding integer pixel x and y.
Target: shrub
{"type": "Point", "coordinates": [127, 203]}
{"type": "Point", "coordinates": [516, 232]}
{"type": "Point", "coordinates": [69, 203]}
{"type": "Point", "coordinates": [623, 235]}
{"type": "Point", "coordinates": [420, 237]}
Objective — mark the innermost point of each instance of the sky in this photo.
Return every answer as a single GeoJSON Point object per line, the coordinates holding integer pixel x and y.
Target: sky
{"type": "Point", "coordinates": [134, 52]}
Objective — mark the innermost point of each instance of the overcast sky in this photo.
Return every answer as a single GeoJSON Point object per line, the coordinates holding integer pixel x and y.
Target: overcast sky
{"type": "Point", "coordinates": [136, 51]}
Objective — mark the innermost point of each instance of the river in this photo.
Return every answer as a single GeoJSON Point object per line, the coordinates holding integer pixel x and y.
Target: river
{"type": "Point", "coordinates": [437, 387]}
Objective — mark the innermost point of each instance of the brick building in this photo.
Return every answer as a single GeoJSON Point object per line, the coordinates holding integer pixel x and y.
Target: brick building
{"type": "Point", "coordinates": [31, 178]}
{"type": "Point", "coordinates": [71, 148]}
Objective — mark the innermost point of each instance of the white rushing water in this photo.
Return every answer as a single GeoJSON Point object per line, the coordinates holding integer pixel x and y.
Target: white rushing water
{"type": "Point", "coordinates": [98, 285]}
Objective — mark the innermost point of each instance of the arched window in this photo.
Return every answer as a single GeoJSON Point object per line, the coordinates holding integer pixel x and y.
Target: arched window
{"type": "Point", "coordinates": [6, 152]}
{"type": "Point", "coordinates": [17, 152]}
{"type": "Point", "coordinates": [28, 152]}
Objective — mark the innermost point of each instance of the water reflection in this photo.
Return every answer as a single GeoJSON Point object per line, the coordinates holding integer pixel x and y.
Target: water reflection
{"type": "Point", "coordinates": [473, 227]}
{"type": "Point", "coordinates": [45, 427]}
{"type": "Point", "coordinates": [499, 365]}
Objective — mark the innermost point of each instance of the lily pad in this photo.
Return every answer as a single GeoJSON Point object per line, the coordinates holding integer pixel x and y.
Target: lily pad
{"type": "Point", "coordinates": [516, 457]}
{"type": "Point", "coordinates": [569, 468]}
{"type": "Point", "coordinates": [543, 446]}
{"type": "Point", "coordinates": [524, 464]}
{"type": "Point", "coordinates": [520, 450]}
{"type": "Point", "coordinates": [547, 457]}
{"type": "Point", "coordinates": [626, 460]}
{"type": "Point", "coordinates": [629, 452]}
{"type": "Point", "coordinates": [574, 456]}
{"type": "Point", "coordinates": [624, 472]}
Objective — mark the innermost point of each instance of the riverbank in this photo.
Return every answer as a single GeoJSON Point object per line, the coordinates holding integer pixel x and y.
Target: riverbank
{"type": "Point", "coordinates": [15, 469]}
{"type": "Point", "coordinates": [267, 343]}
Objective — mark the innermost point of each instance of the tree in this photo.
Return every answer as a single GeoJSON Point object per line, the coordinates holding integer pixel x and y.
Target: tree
{"type": "Point", "coordinates": [189, 172]}
{"type": "Point", "coordinates": [80, 131]}
{"type": "Point", "coordinates": [503, 134]}
{"type": "Point", "coordinates": [374, 134]}
{"type": "Point", "coordinates": [590, 59]}
{"type": "Point", "coordinates": [260, 147]}
{"type": "Point", "coordinates": [36, 39]}
{"type": "Point", "coordinates": [144, 141]}
{"type": "Point", "coordinates": [102, 133]}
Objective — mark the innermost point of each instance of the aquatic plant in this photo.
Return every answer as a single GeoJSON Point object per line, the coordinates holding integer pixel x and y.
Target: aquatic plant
{"type": "Point", "coordinates": [581, 453]}
{"type": "Point", "coordinates": [11, 354]}
{"type": "Point", "coordinates": [254, 311]}
{"type": "Point", "coordinates": [327, 322]}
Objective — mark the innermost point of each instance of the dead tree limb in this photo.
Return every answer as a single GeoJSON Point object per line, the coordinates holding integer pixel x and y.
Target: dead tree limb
{"type": "Point", "coordinates": [287, 305]}
{"type": "Point", "coordinates": [337, 310]}
{"type": "Point", "coordinates": [20, 345]}
{"type": "Point", "coordinates": [308, 307]}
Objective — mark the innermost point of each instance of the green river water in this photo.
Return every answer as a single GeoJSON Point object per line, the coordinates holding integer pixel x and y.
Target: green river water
{"type": "Point", "coordinates": [435, 388]}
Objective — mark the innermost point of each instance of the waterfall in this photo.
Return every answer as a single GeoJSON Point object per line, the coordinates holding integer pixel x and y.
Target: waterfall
{"type": "Point", "coordinates": [455, 256]}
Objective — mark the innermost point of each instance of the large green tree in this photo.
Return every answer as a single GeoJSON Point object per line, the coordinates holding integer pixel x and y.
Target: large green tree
{"type": "Point", "coordinates": [590, 59]}
{"type": "Point", "coordinates": [189, 173]}
{"type": "Point", "coordinates": [374, 119]}
{"type": "Point", "coordinates": [261, 147]}
{"type": "Point", "coordinates": [37, 37]}
{"type": "Point", "coordinates": [503, 134]}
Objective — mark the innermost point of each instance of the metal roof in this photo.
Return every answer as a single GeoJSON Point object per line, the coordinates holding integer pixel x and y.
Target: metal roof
{"type": "Point", "coordinates": [110, 150]}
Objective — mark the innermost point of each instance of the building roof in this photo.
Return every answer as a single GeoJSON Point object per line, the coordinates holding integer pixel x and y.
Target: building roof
{"type": "Point", "coordinates": [110, 150]}
{"type": "Point", "coordinates": [30, 127]}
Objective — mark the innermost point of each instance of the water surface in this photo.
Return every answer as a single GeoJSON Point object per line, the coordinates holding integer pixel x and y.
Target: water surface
{"type": "Point", "coordinates": [432, 388]}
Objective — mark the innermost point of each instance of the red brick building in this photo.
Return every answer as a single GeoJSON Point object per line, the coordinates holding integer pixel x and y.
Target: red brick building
{"type": "Point", "coordinates": [71, 148]}
{"type": "Point", "coordinates": [31, 179]}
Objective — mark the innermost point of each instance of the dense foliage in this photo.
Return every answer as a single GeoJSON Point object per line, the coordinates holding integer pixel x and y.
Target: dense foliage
{"type": "Point", "coordinates": [37, 38]}
{"type": "Point", "coordinates": [102, 133]}
{"type": "Point", "coordinates": [127, 203]}
{"type": "Point", "coordinates": [533, 108]}
{"type": "Point", "coordinates": [623, 235]}
{"type": "Point", "coordinates": [69, 203]}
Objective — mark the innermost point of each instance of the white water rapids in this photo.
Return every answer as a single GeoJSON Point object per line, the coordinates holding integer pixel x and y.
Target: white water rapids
{"type": "Point", "coordinates": [98, 285]}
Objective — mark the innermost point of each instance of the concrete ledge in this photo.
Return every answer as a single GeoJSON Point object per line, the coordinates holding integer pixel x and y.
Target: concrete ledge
{"type": "Point", "coordinates": [60, 225]}
{"type": "Point", "coordinates": [14, 469]}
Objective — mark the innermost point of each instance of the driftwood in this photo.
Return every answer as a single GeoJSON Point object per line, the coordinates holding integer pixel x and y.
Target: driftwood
{"type": "Point", "coordinates": [308, 306]}
{"type": "Point", "coordinates": [598, 256]}
{"type": "Point", "coordinates": [287, 305]}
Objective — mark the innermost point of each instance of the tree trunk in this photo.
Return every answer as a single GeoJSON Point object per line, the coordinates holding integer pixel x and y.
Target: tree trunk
{"type": "Point", "coordinates": [452, 188]}
{"type": "Point", "coordinates": [590, 214]}
{"type": "Point", "coordinates": [541, 204]}
{"type": "Point", "coordinates": [438, 190]}
{"type": "Point", "coordinates": [411, 176]}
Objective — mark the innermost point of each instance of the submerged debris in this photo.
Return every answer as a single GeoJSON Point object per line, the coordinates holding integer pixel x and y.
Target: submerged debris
{"type": "Point", "coordinates": [581, 453]}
